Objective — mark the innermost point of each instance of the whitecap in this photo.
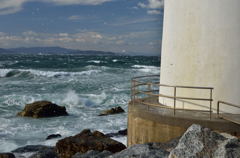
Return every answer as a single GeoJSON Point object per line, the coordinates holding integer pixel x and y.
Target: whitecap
{"type": "Point", "coordinates": [4, 72]}
{"type": "Point", "coordinates": [147, 69]}
{"type": "Point", "coordinates": [94, 61]}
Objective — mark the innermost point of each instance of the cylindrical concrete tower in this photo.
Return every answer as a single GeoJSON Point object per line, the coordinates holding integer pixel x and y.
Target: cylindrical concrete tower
{"type": "Point", "coordinates": [201, 47]}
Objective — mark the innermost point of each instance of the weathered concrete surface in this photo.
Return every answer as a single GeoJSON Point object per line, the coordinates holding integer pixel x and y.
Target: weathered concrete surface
{"type": "Point", "coordinates": [155, 124]}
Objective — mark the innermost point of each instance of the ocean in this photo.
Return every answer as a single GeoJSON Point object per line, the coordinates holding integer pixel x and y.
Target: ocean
{"type": "Point", "coordinates": [85, 85]}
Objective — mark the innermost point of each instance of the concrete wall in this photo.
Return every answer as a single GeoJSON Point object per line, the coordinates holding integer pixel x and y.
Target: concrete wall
{"type": "Point", "coordinates": [159, 125]}
{"type": "Point", "coordinates": [201, 47]}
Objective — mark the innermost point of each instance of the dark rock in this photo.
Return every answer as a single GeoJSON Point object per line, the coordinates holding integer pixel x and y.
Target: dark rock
{"type": "Point", "coordinates": [47, 153]}
{"type": "Point", "coordinates": [199, 142]}
{"type": "Point", "coordinates": [149, 150]}
{"type": "Point", "coordinates": [31, 148]}
{"type": "Point", "coordinates": [52, 136]}
{"type": "Point", "coordinates": [123, 132]}
{"type": "Point", "coordinates": [118, 134]}
{"type": "Point", "coordinates": [7, 155]}
{"type": "Point", "coordinates": [115, 110]}
{"type": "Point", "coordinates": [93, 154]}
{"type": "Point", "coordinates": [39, 151]}
{"type": "Point", "coordinates": [41, 109]}
{"type": "Point", "coordinates": [85, 141]}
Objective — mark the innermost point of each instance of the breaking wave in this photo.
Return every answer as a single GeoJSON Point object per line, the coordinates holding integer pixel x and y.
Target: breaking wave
{"type": "Point", "coordinates": [32, 72]}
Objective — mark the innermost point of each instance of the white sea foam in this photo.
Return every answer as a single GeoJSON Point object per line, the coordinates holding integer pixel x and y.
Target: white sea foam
{"type": "Point", "coordinates": [94, 61]}
{"type": "Point", "coordinates": [121, 139]}
{"type": "Point", "coordinates": [114, 60]}
{"type": "Point", "coordinates": [3, 72]}
{"type": "Point", "coordinates": [144, 68]}
{"type": "Point", "coordinates": [71, 100]}
{"type": "Point", "coordinates": [6, 146]}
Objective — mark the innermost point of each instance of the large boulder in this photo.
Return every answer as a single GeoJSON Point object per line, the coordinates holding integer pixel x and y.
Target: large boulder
{"type": "Point", "coordinates": [85, 141]}
{"type": "Point", "coordinates": [42, 109]}
{"type": "Point", "coordinates": [115, 110]}
{"type": "Point", "coordinates": [93, 154]}
{"type": "Point", "coordinates": [149, 150]}
{"type": "Point", "coordinates": [6, 155]}
{"type": "Point", "coordinates": [198, 142]}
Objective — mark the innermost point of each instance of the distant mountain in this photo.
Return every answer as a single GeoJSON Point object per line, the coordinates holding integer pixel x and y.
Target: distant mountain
{"type": "Point", "coordinates": [5, 50]}
{"type": "Point", "coordinates": [53, 50]}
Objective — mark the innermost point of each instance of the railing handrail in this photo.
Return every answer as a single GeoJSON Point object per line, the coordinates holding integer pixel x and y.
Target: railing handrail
{"type": "Point", "coordinates": [166, 85]}
{"type": "Point", "coordinates": [226, 103]}
{"type": "Point", "coordinates": [136, 83]}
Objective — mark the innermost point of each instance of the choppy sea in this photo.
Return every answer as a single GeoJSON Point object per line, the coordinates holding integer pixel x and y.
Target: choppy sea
{"type": "Point", "coordinates": [85, 85]}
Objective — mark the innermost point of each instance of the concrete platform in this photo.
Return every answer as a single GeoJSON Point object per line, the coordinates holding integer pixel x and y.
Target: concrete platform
{"type": "Point", "coordinates": [159, 124]}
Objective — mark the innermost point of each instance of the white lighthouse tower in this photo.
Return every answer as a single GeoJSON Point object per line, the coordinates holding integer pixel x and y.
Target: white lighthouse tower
{"type": "Point", "coordinates": [201, 47]}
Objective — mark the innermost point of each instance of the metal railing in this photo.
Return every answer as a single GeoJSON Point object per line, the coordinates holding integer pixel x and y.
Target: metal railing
{"type": "Point", "coordinates": [140, 88]}
{"type": "Point", "coordinates": [225, 115]}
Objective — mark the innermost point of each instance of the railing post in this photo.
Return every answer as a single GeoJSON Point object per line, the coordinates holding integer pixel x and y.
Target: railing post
{"type": "Point", "coordinates": [218, 104]}
{"type": "Point", "coordinates": [211, 103]}
{"type": "Point", "coordinates": [175, 92]}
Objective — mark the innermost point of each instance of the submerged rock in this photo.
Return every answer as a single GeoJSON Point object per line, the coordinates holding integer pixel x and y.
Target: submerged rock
{"type": "Point", "coordinates": [85, 141]}
{"type": "Point", "coordinates": [7, 155]}
{"type": "Point", "coordinates": [115, 110]}
{"type": "Point", "coordinates": [37, 151]}
{"type": "Point", "coordinates": [119, 133]}
{"type": "Point", "coordinates": [93, 154]}
{"type": "Point", "coordinates": [198, 142]}
{"type": "Point", "coordinates": [31, 148]}
{"type": "Point", "coordinates": [42, 109]}
{"type": "Point", "coordinates": [53, 136]}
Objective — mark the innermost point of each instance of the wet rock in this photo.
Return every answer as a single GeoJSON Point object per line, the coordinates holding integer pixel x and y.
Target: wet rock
{"type": "Point", "coordinates": [47, 153]}
{"type": "Point", "coordinates": [42, 109]}
{"type": "Point", "coordinates": [31, 148]}
{"type": "Point", "coordinates": [118, 134]}
{"type": "Point", "coordinates": [93, 154]}
{"type": "Point", "coordinates": [149, 150]}
{"type": "Point", "coordinates": [53, 136]}
{"type": "Point", "coordinates": [85, 141]}
{"type": "Point", "coordinates": [198, 142]}
{"type": "Point", "coordinates": [115, 110]}
{"type": "Point", "coordinates": [7, 155]}
{"type": "Point", "coordinates": [37, 151]}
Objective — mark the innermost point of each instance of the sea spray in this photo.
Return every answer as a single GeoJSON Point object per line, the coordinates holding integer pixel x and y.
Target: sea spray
{"type": "Point", "coordinates": [85, 88]}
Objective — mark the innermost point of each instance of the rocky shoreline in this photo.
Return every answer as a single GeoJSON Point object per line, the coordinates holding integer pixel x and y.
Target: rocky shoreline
{"type": "Point", "coordinates": [196, 142]}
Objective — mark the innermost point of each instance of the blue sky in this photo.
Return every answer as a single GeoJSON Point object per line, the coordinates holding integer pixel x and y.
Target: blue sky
{"type": "Point", "coordinates": [128, 26]}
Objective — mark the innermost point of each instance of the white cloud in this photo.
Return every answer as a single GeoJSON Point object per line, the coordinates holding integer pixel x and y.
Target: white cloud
{"type": "Point", "coordinates": [81, 2]}
{"type": "Point", "coordinates": [153, 6]}
{"type": "Point", "coordinates": [135, 21]}
{"type": "Point", "coordinates": [13, 6]}
{"type": "Point", "coordinates": [85, 40]}
{"type": "Point", "coordinates": [153, 12]}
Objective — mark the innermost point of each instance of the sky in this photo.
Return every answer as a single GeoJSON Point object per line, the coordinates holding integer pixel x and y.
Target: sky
{"type": "Point", "coordinates": [125, 26]}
